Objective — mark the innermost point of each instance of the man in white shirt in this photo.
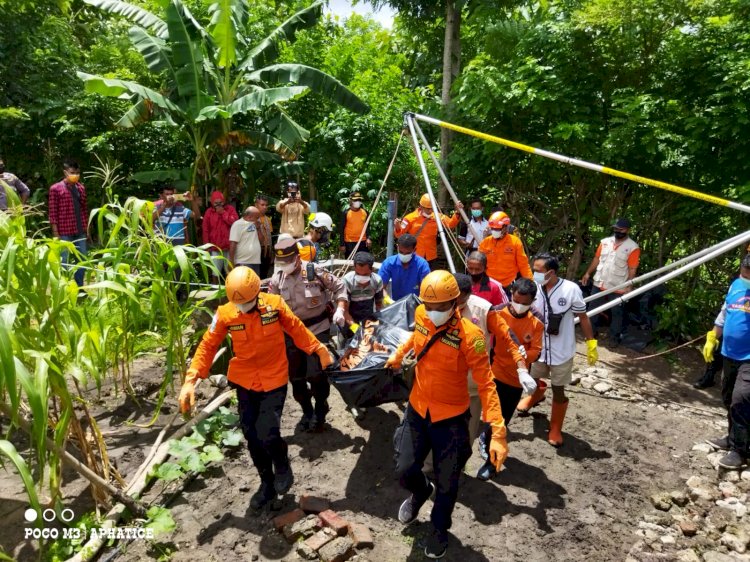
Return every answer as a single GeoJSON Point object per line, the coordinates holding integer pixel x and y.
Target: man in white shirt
{"type": "Point", "coordinates": [244, 244]}
{"type": "Point", "coordinates": [469, 236]}
{"type": "Point", "coordinates": [558, 301]}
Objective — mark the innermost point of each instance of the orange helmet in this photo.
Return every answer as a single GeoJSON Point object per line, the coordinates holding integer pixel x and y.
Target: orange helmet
{"type": "Point", "coordinates": [499, 219]}
{"type": "Point", "coordinates": [425, 202]}
{"type": "Point", "coordinates": [242, 285]}
{"type": "Point", "coordinates": [439, 286]}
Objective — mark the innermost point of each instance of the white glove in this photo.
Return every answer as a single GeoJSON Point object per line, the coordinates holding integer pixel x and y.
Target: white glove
{"type": "Point", "coordinates": [522, 351]}
{"type": "Point", "coordinates": [338, 316]}
{"type": "Point", "coordinates": [527, 381]}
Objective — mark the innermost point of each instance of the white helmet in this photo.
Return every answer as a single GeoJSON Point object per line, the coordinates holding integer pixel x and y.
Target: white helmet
{"type": "Point", "coordinates": [322, 220]}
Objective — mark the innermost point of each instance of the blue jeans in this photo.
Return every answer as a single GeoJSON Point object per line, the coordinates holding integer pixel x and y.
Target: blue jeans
{"type": "Point", "coordinates": [79, 241]}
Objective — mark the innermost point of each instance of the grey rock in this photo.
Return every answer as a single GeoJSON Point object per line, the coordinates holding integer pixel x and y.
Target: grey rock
{"type": "Point", "coordinates": [602, 387]}
{"type": "Point", "coordinates": [735, 542]}
{"type": "Point", "coordinates": [679, 498]}
{"type": "Point", "coordinates": [702, 448]}
{"type": "Point", "coordinates": [715, 556]}
{"type": "Point", "coordinates": [688, 555]}
{"type": "Point", "coordinates": [661, 501]}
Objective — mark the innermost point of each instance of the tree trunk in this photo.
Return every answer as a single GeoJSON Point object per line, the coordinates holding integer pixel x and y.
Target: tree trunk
{"type": "Point", "coordinates": [451, 68]}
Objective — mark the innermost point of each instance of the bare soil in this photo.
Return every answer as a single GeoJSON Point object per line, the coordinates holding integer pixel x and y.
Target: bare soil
{"type": "Point", "coordinates": [582, 501]}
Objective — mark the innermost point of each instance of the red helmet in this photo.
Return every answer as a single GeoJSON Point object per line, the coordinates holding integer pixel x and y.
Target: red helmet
{"type": "Point", "coordinates": [499, 219]}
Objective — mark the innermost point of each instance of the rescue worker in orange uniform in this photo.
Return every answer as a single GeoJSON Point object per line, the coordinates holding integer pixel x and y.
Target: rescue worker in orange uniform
{"type": "Point", "coordinates": [526, 331]}
{"type": "Point", "coordinates": [436, 420]}
{"type": "Point", "coordinates": [506, 258]}
{"type": "Point", "coordinates": [307, 288]}
{"type": "Point", "coordinates": [352, 227]}
{"type": "Point", "coordinates": [422, 225]}
{"type": "Point", "coordinates": [256, 323]}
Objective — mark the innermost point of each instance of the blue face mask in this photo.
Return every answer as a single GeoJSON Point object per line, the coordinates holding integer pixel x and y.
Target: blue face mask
{"type": "Point", "coordinates": [476, 213]}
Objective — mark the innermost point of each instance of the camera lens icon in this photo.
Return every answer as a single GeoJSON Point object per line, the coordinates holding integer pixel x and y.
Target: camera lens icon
{"type": "Point", "coordinates": [49, 515]}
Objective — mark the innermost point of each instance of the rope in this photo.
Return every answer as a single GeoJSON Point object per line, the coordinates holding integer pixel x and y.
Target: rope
{"type": "Point", "coordinates": [452, 237]}
{"type": "Point", "coordinates": [669, 350]}
{"type": "Point", "coordinates": [342, 271]}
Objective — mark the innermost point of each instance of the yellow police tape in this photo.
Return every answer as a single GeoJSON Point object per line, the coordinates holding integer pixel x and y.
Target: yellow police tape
{"type": "Point", "coordinates": [598, 167]}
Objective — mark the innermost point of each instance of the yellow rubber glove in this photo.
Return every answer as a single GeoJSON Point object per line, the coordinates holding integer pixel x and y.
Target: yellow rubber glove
{"type": "Point", "coordinates": [187, 392]}
{"type": "Point", "coordinates": [387, 299]}
{"type": "Point", "coordinates": [592, 354]}
{"type": "Point", "coordinates": [712, 342]}
{"type": "Point", "coordinates": [498, 451]}
{"type": "Point", "coordinates": [394, 362]}
{"type": "Point", "coordinates": [325, 357]}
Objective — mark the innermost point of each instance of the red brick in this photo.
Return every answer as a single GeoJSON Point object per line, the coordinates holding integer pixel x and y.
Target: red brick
{"type": "Point", "coordinates": [339, 550]}
{"type": "Point", "coordinates": [320, 539]}
{"type": "Point", "coordinates": [288, 519]}
{"type": "Point", "coordinates": [313, 504]}
{"type": "Point", "coordinates": [334, 521]}
{"type": "Point", "coordinates": [361, 536]}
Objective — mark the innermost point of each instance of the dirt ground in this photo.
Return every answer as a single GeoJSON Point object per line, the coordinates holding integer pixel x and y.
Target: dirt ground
{"type": "Point", "coordinates": [582, 501]}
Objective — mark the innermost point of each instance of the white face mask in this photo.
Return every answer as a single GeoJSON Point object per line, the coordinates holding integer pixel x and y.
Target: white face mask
{"type": "Point", "coordinates": [497, 234]}
{"type": "Point", "coordinates": [356, 204]}
{"type": "Point", "coordinates": [286, 269]}
{"type": "Point", "coordinates": [405, 258]}
{"type": "Point", "coordinates": [361, 279]}
{"type": "Point", "coordinates": [246, 307]}
{"type": "Point", "coordinates": [520, 308]}
{"type": "Point", "coordinates": [426, 214]}
{"type": "Point", "coordinates": [439, 317]}
{"type": "Point", "coordinates": [540, 277]}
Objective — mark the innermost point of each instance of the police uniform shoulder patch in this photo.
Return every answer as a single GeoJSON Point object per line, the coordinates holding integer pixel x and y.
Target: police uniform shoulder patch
{"type": "Point", "coordinates": [269, 317]}
{"type": "Point", "coordinates": [236, 327]}
{"type": "Point", "coordinates": [479, 345]}
{"type": "Point", "coordinates": [214, 320]}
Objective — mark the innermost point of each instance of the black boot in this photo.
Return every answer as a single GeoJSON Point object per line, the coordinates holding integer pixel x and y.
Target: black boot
{"type": "Point", "coordinates": [284, 477]}
{"type": "Point", "coordinates": [265, 494]}
{"type": "Point", "coordinates": [706, 381]}
{"type": "Point", "coordinates": [319, 419]}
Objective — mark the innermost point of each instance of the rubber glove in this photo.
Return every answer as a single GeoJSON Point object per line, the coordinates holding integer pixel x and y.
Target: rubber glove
{"type": "Point", "coordinates": [338, 317]}
{"type": "Point", "coordinates": [498, 451]}
{"type": "Point", "coordinates": [522, 351]}
{"type": "Point", "coordinates": [187, 392]}
{"type": "Point", "coordinates": [592, 354]}
{"type": "Point", "coordinates": [387, 299]}
{"type": "Point", "coordinates": [527, 381]}
{"type": "Point", "coordinates": [712, 342]}
{"type": "Point", "coordinates": [325, 357]}
{"type": "Point", "coordinates": [393, 362]}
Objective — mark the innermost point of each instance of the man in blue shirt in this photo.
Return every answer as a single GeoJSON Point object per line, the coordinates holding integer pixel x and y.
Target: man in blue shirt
{"type": "Point", "coordinates": [733, 323]}
{"type": "Point", "coordinates": [405, 270]}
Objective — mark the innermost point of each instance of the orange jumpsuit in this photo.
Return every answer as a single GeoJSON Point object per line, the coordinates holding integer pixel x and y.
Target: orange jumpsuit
{"type": "Point", "coordinates": [425, 231]}
{"type": "Point", "coordinates": [506, 258]}
{"type": "Point", "coordinates": [259, 363]}
{"type": "Point", "coordinates": [527, 331]}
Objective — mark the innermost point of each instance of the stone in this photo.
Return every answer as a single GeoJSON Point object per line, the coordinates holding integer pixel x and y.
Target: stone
{"type": "Point", "coordinates": [695, 482]}
{"type": "Point", "coordinates": [714, 458]}
{"type": "Point", "coordinates": [745, 475]}
{"type": "Point", "coordinates": [668, 539]}
{"type": "Point", "coordinates": [688, 555]}
{"type": "Point", "coordinates": [679, 498]}
{"type": "Point", "coordinates": [320, 539]}
{"type": "Point", "coordinates": [334, 521]}
{"type": "Point", "coordinates": [731, 476]}
{"type": "Point", "coordinates": [704, 493]}
{"type": "Point", "coordinates": [688, 528]}
{"type": "Point", "coordinates": [734, 542]}
{"type": "Point", "coordinates": [361, 536]}
{"type": "Point", "coordinates": [313, 504]}
{"type": "Point", "coordinates": [728, 489]}
{"type": "Point", "coordinates": [338, 550]}
{"type": "Point", "coordinates": [734, 505]}
{"type": "Point", "coordinates": [305, 552]}
{"type": "Point", "coordinates": [602, 387]}
{"type": "Point", "coordinates": [303, 528]}
{"type": "Point", "coordinates": [661, 501]}
{"type": "Point", "coordinates": [588, 382]}
{"type": "Point", "coordinates": [719, 519]}
{"type": "Point", "coordinates": [288, 519]}
{"type": "Point", "coordinates": [715, 556]}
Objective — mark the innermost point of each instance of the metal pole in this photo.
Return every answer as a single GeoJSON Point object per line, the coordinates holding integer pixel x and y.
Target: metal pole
{"type": "Point", "coordinates": [732, 242]}
{"type": "Point", "coordinates": [425, 175]}
{"type": "Point", "coordinates": [461, 211]}
{"type": "Point", "coordinates": [392, 213]}
{"type": "Point", "coordinates": [669, 276]}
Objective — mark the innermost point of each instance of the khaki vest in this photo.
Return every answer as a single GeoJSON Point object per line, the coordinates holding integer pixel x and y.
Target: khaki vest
{"type": "Point", "coordinates": [613, 263]}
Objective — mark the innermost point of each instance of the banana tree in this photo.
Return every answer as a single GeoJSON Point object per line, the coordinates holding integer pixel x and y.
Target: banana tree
{"type": "Point", "coordinates": [226, 95]}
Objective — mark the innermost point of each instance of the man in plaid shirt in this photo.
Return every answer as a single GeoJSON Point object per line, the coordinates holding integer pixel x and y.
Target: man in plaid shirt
{"type": "Point", "coordinates": [68, 215]}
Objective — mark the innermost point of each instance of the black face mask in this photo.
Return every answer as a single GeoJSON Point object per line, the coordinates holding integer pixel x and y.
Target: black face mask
{"type": "Point", "coordinates": [620, 235]}
{"type": "Point", "coordinates": [324, 241]}
{"type": "Point", "coordinates": [477, 277]}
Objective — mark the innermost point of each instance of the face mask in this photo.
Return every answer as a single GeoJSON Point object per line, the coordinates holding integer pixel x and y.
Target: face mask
{"type": "Point", "coordinates": [73, 178]}
{"type": "Point", "coordinates": [246, 307]}
{"type": "Point", "coordinates": [439, 317]}
{"type": "Point", "coordinates": [540, 277]}
{"type": "Point", "coordinates": [361, 279]}
{"type": "Point", "coordinates": [497, 234]}
{"type": "Point", "coordinates": [405, 258]}
{"type": "Point", "coordinates": [356, 204]}
{"type": "Point", "coordinates": [476, 213]}
{"type": "Point", "coordinates": [286, 269]}
{"type": "Point", "coordinates": [520, 308]}
{"type": "Point", "coordinates": [620, 235]}
{"type": "Point", "coordinates": [323, 236]}
{"type": "Point", "coordinates": [477, 277]}
{"type": "Point", "coordinates": [426, 214]}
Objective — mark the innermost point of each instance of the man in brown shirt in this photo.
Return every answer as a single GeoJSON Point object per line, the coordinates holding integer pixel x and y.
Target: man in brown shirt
{"type": "Point", "coordinates": [293, 211]}
{"type": "Point", "coordinates": [265, 232]}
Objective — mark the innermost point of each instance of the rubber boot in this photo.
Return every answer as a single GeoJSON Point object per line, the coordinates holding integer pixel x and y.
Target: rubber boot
{"type": "Point", "coordinates": [532, 400]}
{"type": "Point", "coordinates": [556, 422]}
